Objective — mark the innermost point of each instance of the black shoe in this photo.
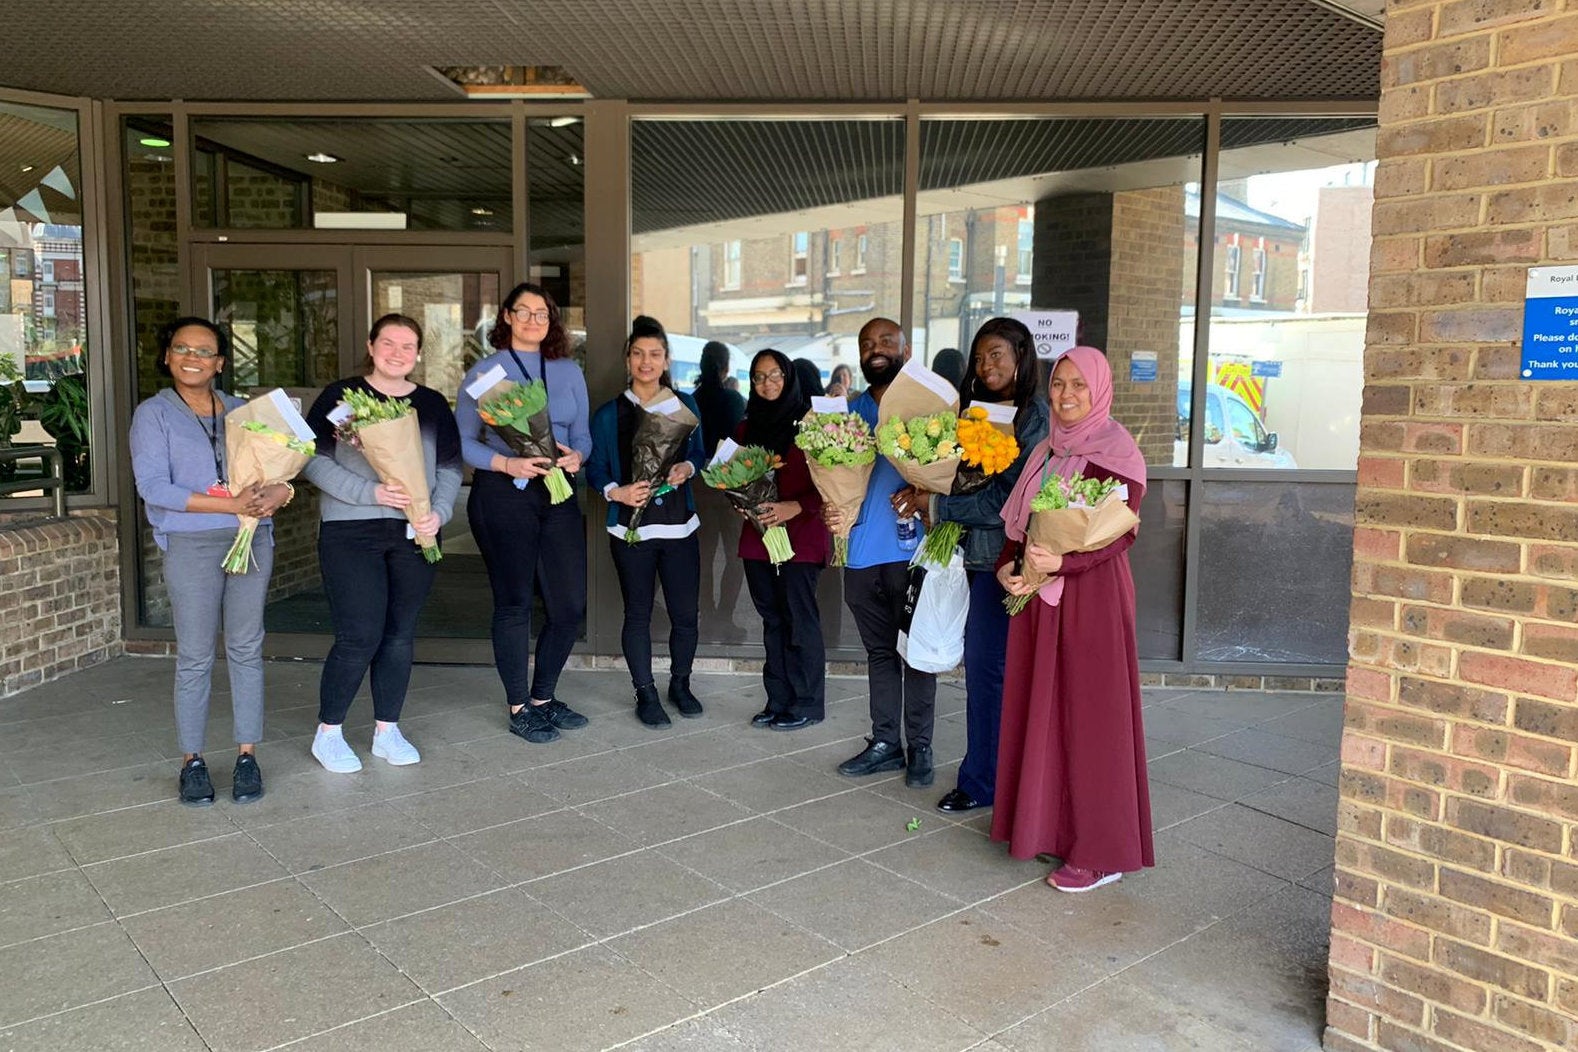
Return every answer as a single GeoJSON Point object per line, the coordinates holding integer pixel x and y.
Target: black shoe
{"type": "Point", "coordinates": [649, 707]}
{"type": "Point", "coordinates": [561, 715]}
{"type": "Point", "coordinates": [874, 759]}
{"type": "Point", "coordinates": [919, 773]}
{"type": "Point", "coordinates": [246, 785]}
{"type": "Point", "coordinates": [197, 789]}
{"type": "Point", "coordinates": [958, 801]}
{"type": "Point", "coordinates": [533, 724]}
{"type": "Point", "coordinates": [783, 722]}
{"type": "Point", "coordinates": [681, 698]}
{"type": "Point", "coordinates": [763, 718]}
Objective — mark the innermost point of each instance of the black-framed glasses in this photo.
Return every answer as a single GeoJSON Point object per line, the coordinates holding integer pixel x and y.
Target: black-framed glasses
{"type": "Point", "coordinates": [194, 352]}
{"type": "Point", "coordinates": [766, 378]}
{"type": "Point", "coordinates": [541, 317]}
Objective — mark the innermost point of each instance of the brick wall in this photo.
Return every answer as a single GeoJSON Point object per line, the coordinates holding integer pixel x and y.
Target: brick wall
{"type": "Point", "coordinates": [59, 597]}
{"type": "Point", "coordinates": [1455, 921]}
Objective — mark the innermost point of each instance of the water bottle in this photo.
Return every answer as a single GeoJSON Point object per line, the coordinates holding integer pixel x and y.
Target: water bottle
{"type": "Point", "coordinates": [909, 533]}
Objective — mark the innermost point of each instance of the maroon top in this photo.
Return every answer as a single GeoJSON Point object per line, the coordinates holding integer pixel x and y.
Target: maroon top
{"type": "Point", "coordinates": [807, 534]}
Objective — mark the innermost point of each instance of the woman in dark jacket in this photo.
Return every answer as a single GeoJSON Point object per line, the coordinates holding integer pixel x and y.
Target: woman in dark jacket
{"type": "Point", "coordinates": [1002, 368]}
{"type": "Point", "coordinates": [667, 550]}
{"type": "Point", "coordinates": [795, 673]}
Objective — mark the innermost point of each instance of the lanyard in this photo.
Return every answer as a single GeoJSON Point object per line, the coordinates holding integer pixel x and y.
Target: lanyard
{"type": "Point", "coordinates": [211, 433]}
{"type": "Point", "coordinates": [522, 367]}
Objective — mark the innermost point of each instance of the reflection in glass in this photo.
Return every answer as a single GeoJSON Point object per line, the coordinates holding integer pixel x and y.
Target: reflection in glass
{"type": "Point", "coordinates": [149, 176]}
{"type": "Point", "coordinates": [1289, 295]}
{"type": "Point", "coordinates": [556, 188]}
{"type": "Point", "coordinates": [353, 174]}
{"type": "Point", "coordinates": [284, 327]}
{"type": "Point", "coordinates": [1250, 534]}
{"type": "Point", "coordinates": [1157, 562]}
{"type": "Point", "coordinates": [783, 234]}
{"type": "Point", "coordinates": [43, 296]}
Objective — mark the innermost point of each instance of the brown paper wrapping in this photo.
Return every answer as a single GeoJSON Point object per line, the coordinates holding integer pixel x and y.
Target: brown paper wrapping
{"type": "Point", "coordinates": [394, 449]}
{"type": "Point", "coordinates": [1066, 530]}
{"type": "Point", "coordinates": [906, 398]}
{"type": "Point", "coordinates": [252, 458]}
{"type": "Point", "coordinates": [844, 487]}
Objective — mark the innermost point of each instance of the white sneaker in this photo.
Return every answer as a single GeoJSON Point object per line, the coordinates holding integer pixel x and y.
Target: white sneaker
{"type": "Point", "coordinates": [330, 749]}
{"type": "Point", "coordinates": [390, 744]}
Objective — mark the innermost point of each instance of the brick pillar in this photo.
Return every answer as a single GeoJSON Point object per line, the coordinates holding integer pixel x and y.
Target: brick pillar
{"type": "Point", "coordinates": [1119, 260]}
{"type": "Point", "coordinates": [1455, 921]}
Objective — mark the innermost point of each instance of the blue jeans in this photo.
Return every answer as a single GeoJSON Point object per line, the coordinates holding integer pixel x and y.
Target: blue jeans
{"type": "Point", "coordinates": [985, 651]}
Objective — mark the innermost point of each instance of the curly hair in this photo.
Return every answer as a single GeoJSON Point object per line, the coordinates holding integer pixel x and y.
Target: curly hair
{"type": "Point", "coordinates": [554, 345]}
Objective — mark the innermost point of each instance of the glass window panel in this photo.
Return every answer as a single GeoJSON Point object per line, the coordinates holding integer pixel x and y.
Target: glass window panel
{"type": "Point", "coordinates": [556, 189]}
{"type": "Point", "coordinates": [284, 327]}
{"type": "Point", "coordinates": [1250, 533]}
{"type": "Point", "coordinates": [1157, 563]}
{"type": "Point", "coordinates": [1290, 290]}
{"type": "Point", "coordinates": [735, 224]}
{"type": "Point", "coordinates": [355, 174]}
{"type": "Point", "coordinates": [44, 339]}
{"type": "Point", "coordinates": [148, 173]}
{"type": "Point", "coordinates": [1063, 214]}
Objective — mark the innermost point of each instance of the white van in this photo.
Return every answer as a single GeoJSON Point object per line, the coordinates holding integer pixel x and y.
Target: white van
{"type": "Point", "coordinates": [1234, 435]}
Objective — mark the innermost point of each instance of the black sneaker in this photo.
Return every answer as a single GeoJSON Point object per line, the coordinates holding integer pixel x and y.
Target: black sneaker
{"type": "Point", "coordinates": [680, 696]}
{"type": "Point", "coordinates": [918, 770]}
{"type": "Point", "coordinates": [197, 789]}
{"type": "Point", "coordinates": [533, 724]}
{"type": "Point", "coordinates": [649, 707]}
{"type": "Point", "coordinates": [246, 785]}
{"type": "Point", "coordinates": [561, 715]}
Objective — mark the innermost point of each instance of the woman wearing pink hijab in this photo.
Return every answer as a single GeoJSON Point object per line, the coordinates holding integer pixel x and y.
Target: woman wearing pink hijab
{"type": "Point", "coordinates": [1071, 778]}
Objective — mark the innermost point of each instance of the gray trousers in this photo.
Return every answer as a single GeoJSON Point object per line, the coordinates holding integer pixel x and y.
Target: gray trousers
{"type": "Point", "coordinates": [202, 596]}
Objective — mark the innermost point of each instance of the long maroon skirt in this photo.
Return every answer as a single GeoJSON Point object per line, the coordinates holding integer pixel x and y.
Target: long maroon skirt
{"type": "Point", "coordinates": [1071, 777]}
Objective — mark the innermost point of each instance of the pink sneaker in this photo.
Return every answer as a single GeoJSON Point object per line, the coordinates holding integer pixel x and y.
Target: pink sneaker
{"type": "Point", "coordinates": [1075, 879]}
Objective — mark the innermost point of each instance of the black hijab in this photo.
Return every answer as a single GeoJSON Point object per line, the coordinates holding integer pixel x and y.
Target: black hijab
{"type": "Point", "coordinates": [810, 377]}
{"type": "Point", "coordinates": [772, 424]}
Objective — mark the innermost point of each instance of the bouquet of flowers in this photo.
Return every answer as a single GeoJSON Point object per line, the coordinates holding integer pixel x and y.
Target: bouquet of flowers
{"type": "Point", "coordinates": [840, 451]}
{"type": "Point", "coordinates": [1073, 514]}
{"type": "Point", "coordinates": [387, 432]}
{"type": "Point", "coordinates": [518, 413]}
{"type": "Point", "coordinates": [266, 442]}
{"type": "Point", "coordinates": [987, 447]}
{"type": "Point", "coordinates": [924, 449]}
{"type": "Point", "coordinates": [745, 475]}
{"type": "Point", "coordinates": [658, 444]}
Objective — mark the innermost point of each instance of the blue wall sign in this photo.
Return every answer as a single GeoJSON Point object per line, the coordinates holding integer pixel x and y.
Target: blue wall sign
{"type": "Point", "coordinates": [1266, 369]}
{"type": "Point", "coordinates": [1550, 324]}
{"type": "Point", "coordinates": [1142, 367]}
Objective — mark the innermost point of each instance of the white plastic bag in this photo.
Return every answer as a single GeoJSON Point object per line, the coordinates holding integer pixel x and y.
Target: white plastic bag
{"type": "Point", "coordinates": [936, 603]}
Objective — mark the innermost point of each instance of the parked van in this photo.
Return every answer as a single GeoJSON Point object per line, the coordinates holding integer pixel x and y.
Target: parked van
{"type": "Point", "coordinates": [1234, 435]}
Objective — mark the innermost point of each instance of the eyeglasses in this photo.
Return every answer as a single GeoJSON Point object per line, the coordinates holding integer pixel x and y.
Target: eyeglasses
{"type": "Point", "coordinates": [194, 352]}
{"type": "Point", "coordinates": [776, 376]}
{"type": "Point", "coordinates": [541, 317]}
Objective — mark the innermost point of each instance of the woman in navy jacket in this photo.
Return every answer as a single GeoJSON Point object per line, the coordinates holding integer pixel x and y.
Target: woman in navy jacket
{"type": "Point", "coordinates": [667, 549]}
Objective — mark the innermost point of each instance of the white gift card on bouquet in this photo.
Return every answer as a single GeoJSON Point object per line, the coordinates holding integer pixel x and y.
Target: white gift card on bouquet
{"type": "Point", "coordinates": [410, 532]}
{"type": "Point", "coordinates": [930, 380]}
{"type": "Point", "coordinates": [340, 414]}
{"type": "Point", "coordinates": [829, 404]}
{"type": "Point", "coordinates": [998, 414]}
{"type": "Point", "coordinates": [671, 404]}
{"type": "Point", "coordinates": [290, 414]}
{"type": "Point", "coordinates": [726, 450]}
{"type": "Point", "coordinates": [1123, 492]}
{"type": "Point", "coordinates": [486, 382]}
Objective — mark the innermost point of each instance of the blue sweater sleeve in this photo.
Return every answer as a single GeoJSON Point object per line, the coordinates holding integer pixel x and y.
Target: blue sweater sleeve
{"type": "Point", "coordinates": [696, 450]}
{"type": "Point", "coordinates": [150, 450]}
{"type": "Point", "coordinates": [983, 508]}
{"type": "Point", "coordinates": [473, 449]}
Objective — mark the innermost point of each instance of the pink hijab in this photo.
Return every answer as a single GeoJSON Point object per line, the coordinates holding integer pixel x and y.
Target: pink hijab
{"type": "Point", "coordinates": [1096, 439]}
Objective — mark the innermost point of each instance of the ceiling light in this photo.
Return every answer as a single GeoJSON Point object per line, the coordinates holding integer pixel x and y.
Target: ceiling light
{"type": "Point", "coordinates": [482, 211]}
{"type": "Point", "coordinates": [575, 158]}
{"type": "Point", "coordinates": [154, 141]}
{"type": "Point", "coordinates": [322, 158]}
{"type": "Point", "coordinates": [27, 168]}
{"type": "Point", "coordinates": [563, 122]}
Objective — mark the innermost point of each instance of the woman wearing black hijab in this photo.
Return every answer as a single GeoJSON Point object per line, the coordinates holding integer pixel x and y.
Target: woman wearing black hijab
{"type": "Point", "coordinates": [810, 378]}
{"type": "Point", "coordinates": [795, 673]}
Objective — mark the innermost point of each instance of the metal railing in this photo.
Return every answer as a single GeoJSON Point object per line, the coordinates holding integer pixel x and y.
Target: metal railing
{"type": "Point", "coordinates": [53, 477]}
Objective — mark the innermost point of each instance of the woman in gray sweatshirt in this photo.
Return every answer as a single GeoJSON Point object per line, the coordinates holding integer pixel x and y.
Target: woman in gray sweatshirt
{"type": "Point", "coordinates": [178, 461]}
{"type": "Point", "coordinates": [373, 570]}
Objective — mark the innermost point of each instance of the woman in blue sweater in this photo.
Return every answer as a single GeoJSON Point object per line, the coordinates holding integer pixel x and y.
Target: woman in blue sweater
{"type": "Point", "coordinates": [178, 461]}
{"type": "Point", "coordinates": [528, 543]}
{"type": "Point", "coordinates": [668, 550]}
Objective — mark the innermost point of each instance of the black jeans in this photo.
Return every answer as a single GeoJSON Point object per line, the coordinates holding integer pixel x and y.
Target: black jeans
{"type": "Point", "coordinates": [377, 581]}
{"type": "Point", "coordinates": [529, 547]}
{"type": "Point", "coordinates": [795, 673]}
{"type": "Point", "coordinates": [676, 562]}
{"type": "Point", "coordinates": [875, 595]}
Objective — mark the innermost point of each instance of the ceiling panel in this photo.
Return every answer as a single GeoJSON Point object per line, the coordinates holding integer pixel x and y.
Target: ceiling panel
{"type": "Point", "coordinates": [700, 49]}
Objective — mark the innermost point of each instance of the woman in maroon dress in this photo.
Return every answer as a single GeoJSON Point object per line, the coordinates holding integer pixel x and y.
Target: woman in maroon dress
{"type": "Point", "coordinates": [1071, 776]}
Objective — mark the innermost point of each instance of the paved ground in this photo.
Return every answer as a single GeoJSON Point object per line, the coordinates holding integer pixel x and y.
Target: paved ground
{"type": "Point", "coordinates": [706, 887]}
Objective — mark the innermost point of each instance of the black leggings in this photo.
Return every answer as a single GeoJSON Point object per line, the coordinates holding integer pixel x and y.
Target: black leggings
{"type": "Point", "coordinates": [529, 547]}
{"type": "Point", "coordinates": [377, 581]}
{"type": "Point", "coordinates": [676, 561]}
{"type": "Point", "coordinates": [795, 673]}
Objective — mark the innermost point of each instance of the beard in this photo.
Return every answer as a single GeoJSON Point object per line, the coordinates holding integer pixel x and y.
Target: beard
{"type": "Point", "coordinates": [880, 376]}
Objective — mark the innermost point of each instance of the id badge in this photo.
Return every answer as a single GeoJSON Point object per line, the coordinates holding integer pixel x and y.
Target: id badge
{"type": "Point", "coordinates": [218, 489]}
